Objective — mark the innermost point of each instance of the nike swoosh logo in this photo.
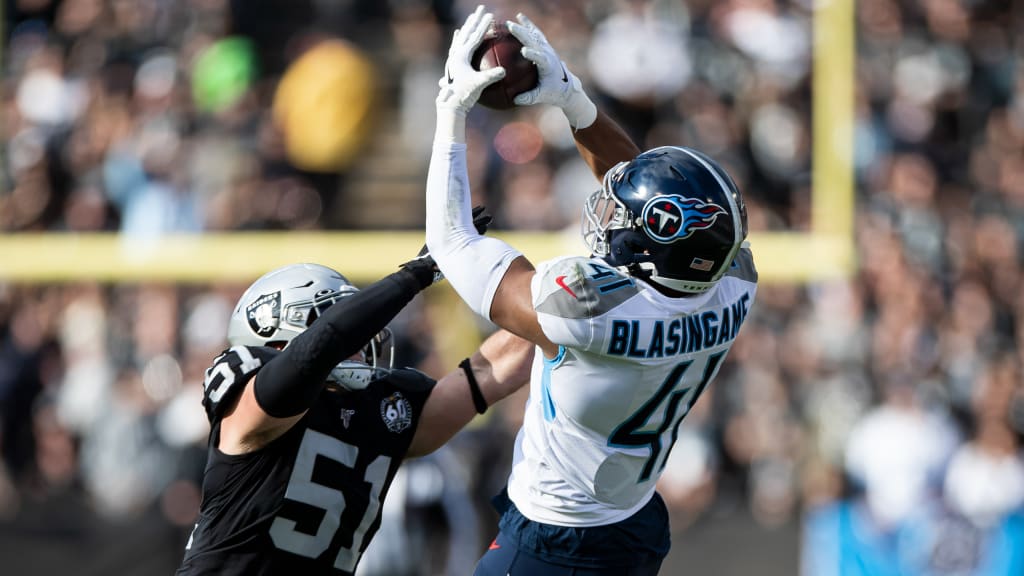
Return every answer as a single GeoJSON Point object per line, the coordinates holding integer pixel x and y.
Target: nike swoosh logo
{"type": "Point", "coordinates": [565, 74]}
{"type": "Point", "coordinates": [561, 282]}
{"type": "Point", "coordinates": [494, 545]}
{"type": "Point", "coordinates": [449, 74]}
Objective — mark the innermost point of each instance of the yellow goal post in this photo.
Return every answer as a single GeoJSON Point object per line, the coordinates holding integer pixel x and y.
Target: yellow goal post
{"type": "Point", "coordinates": [824, 252]}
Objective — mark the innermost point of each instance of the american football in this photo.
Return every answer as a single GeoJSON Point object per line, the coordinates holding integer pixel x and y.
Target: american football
{"type": "Point", "coordinates": [501, 48]}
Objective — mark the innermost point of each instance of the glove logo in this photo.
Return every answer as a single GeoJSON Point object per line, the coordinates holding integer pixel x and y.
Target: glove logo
{"type": "Point", "coordinates": [565, 74]}
{"type": "Point", "coordinates": [448, 73]}
{"type": "Point", "coordinates": [264, 314]}
{"type": "Point", "coordinates": [670, 218]}
{"type": "Point", "coordinates": [396, 412]}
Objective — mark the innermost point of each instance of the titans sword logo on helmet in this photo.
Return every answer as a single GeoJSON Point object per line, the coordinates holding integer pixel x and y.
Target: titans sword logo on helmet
{"type": "Point", "coordinates": [670, 218]}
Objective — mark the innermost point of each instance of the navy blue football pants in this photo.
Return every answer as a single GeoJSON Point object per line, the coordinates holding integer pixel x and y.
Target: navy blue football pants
{"type": "Point", "coordinates": [505, 559]}
{"type": "Point", "coordinates": [632, 547]}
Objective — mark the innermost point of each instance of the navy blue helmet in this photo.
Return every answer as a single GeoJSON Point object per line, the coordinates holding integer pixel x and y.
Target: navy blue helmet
{"type": "Point", "coordinates": [671, 216]}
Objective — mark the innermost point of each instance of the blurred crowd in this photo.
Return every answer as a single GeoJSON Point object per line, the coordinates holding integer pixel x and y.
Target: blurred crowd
{"type": "Point", "coordinates": [882, 414]}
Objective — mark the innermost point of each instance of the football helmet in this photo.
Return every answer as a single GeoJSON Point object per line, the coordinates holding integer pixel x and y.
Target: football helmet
{"type": "Point", "coordinates": [282, 303]}
{"type": "Point", "coordinates": [671, 216]}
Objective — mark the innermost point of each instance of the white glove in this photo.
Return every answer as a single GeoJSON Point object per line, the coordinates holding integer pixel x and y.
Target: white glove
{"type": "Point", "coordinates": [462, 84]}
{"type": "Point", "coordinates": [556, 86]}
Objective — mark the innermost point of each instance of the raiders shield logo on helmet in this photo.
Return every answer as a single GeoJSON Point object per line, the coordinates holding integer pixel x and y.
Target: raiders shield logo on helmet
{"type": "Point", "coordinates": [264, 314]}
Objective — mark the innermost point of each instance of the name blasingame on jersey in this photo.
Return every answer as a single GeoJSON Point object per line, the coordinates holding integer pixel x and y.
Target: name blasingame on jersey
{"type": "Point", "coordinates": [604, 412]}
{"type": "Point", "coordinates": [682, 335]}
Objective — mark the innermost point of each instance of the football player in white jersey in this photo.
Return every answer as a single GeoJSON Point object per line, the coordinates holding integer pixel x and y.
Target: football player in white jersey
{"type": "Point", "coordinates": [630, 336]}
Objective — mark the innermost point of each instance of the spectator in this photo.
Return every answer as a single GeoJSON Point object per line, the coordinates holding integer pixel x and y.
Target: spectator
{"type": "Point", "coordinates": [99, 124]}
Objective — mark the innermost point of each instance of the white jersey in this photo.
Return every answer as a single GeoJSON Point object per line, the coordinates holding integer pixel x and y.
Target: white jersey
{"type": "Point", "coordinates": [604, 414]}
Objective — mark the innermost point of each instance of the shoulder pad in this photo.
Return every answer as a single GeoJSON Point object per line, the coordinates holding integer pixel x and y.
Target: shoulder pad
{"type": "Point", "coordinates": [742, 266]}
{"type": "Point", "coordinates": [228, 374]}
{"type": "Point", "coordinates": [579, 287]}
{"type": "Point", "coordinates": [409, 378]}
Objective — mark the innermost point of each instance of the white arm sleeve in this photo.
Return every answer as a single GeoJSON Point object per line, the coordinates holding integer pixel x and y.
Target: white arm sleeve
{"type": "Point", "coordinates": [472, 263]}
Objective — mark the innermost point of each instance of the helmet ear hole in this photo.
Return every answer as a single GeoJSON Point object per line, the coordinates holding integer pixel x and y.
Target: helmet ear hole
{"type": "Point", "coordinates": [627, 247]}
{"type": "Point", "coordinates": [637, 248]}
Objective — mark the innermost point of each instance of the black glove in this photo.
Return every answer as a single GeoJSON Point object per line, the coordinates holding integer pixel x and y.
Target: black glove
{"type": "Point", "coordinates": [424, 269]}
{"type": "Point", "coordinates": [481, 220]}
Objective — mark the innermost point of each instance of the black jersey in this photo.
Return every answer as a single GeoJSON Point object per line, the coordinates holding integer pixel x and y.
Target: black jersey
{"type": "Point", "coordinates": [310, 501]}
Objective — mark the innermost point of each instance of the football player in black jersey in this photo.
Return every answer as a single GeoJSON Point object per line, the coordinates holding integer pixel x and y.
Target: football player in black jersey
{"type": "Point", "coordinates": [308, 430]}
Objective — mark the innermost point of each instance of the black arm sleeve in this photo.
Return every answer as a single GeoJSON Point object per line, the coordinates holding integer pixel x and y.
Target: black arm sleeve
{"type": "Point", "coordinates": [290, 384]}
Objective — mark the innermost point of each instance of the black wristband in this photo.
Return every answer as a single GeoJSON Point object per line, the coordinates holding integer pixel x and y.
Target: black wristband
{"type": "Point", "coordinates": [478, 397]}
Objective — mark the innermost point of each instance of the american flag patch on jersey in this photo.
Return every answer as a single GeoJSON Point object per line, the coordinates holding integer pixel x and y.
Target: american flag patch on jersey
{"type": "Point", "coordinates": [701, 264]}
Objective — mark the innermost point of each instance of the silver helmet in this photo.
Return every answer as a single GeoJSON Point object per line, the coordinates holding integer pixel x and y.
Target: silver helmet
{"type": "Point", "coordinates": [282, 303]}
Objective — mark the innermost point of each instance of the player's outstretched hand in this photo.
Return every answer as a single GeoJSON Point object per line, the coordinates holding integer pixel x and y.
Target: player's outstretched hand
{"type": "Point", "coordinates": [557, 85]}
{"type": "Point", "coordinates": [424, 269]}
{"type": "Point", "coordinates": [481, 220]}
{"type": "Point", "coordinates": [462, 84]}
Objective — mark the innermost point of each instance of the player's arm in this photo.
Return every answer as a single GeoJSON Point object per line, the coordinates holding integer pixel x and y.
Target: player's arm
{"type": "Point", "coordinates": [492, 277]}
{"type": "Point", "coordinates": [475, 265]}
{"type": "Point", "coordinates": [500, 367]}
{"type": "Point", "coordinates": [600, 140]}
{"type": "Point", "coordinates": [604, 144]}
{"type": "Point", "coordinates": [289, 384]}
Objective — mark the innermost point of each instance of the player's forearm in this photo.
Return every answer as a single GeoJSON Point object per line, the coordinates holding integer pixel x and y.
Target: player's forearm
{"type": "Point", "coordinates": [604, 144]}
{"type": "Point", "coordinates": [502, 365]}
{"type": "Point", "coordinates": [289, 385]}
{"type": "Point", "coordinates": [499, 368]}
{"type": "Point", "coordinates": [451, 126]}
{"type": "Point", "coordinates": [473, 264]}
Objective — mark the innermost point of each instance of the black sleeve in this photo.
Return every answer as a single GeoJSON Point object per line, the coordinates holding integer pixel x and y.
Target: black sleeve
{"type": "Point", "coordinates": [289, 385]}
{"type": "Point", "coordinates": [226, 377]}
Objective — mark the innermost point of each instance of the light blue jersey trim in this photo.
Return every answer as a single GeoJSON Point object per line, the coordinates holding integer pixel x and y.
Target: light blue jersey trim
{"type": "Point", "coordinates": [545, 384]}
